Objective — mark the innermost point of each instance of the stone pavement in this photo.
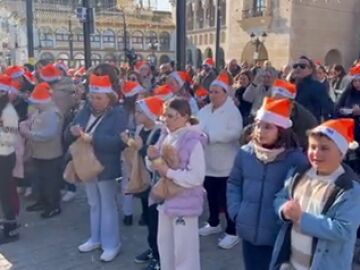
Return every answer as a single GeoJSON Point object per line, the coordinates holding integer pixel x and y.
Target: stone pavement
{"type": "Point", "coordinates": [52, 244]}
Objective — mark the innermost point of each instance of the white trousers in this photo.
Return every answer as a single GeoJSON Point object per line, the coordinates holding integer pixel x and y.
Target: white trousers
{"type": "Point", "coordinates": [178, 241]}
{"type": "Point", "coordinates": [127, 199]}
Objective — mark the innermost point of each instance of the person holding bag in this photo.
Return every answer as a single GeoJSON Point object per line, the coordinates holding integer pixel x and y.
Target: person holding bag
{"type": "Point", "coordinates": [43, 130]}
{"type": "Point", "coordinates": [178, 237]}
{"type": "Point", "coordinates": [99, 123]}
{"type": "Point", "coordinates": [147, 112]}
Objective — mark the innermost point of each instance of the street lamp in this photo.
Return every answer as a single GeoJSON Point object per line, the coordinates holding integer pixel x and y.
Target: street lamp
{"type": "Point", "coordinates": [257, 42]}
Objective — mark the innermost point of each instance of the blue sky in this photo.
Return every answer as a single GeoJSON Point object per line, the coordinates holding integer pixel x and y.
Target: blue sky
{"type": "Point", "coordinates": [163, 5]}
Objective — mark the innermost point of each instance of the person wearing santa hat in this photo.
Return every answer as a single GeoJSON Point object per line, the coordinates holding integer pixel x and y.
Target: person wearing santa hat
{"type": "Point", "coordinates": [320, 205]}
{"type": "Point", "coordinates": [222, 122]}
{"type": "Point", "coordinates": [164, 92]}
{"type": "Point", "coordinates": [44, 132]}
{"type": "Point", "coordinates": [100, 123]}
{"type": "Point", "coordinates": [8, 136]}
{"type": "Point", "coordinates": [180, 82]}
{"type": "Point", "coordinates": [147, 133]}
{"type": "Point", "coordinates": [302, 119]}
{"type": "Point", "coordinates": [26, 86]}
{"type": "Point", "coordinates": [146, 78]}
{"type": "Point", "coordinates": [201, 96]}
{"type": "Point", "coordinates": [348, 106]}
{"type": "Point", "coordinates": [259, 172]}
{"type": "Point", "coordinates": [207, 74]}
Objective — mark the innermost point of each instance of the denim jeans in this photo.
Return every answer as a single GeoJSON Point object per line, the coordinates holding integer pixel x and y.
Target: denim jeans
{"type": "Point", "coordinates": [256, 257]}
{"type": "Point", "coordinates": [104, 217]}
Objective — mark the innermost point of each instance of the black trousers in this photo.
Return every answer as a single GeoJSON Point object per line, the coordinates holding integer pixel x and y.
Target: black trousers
{"type": "Point", "coordinates": [216, 195]}
{"type": "Point", "coordinates": [48, 173]}
{"type": "Point", "coordinates": [256, 257]}
{"type": "Point", "coordinates": [153, 221]}
{"type": "Point", "coordinates": [7, 164]}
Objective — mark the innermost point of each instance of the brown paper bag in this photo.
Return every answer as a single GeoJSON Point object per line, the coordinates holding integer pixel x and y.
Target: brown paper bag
{"type": "Point", "coordinates": [140, 177]}
{"type": "Point", "coordinates": [85, 163]}
{"type": "Point", "coordinates": [70, 174]}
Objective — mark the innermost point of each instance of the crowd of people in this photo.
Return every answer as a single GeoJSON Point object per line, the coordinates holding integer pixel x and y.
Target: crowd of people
{"type": "Point", "coordinates": [275, 151]}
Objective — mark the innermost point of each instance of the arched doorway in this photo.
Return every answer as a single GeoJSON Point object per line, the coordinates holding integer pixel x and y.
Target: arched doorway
{"type": "Point", "coordinates": [198, 58]}
{"type": "Point", "coordinates": [333, 57]}
{"type": "Point", "coordinates": [63, 57]}
{"type": "Point", "coordinates": [250, 54]}
{"type": "Point", "coordinates": [47, 56]}
{"type": "Point", "coordinates": [208, 53]}
{"type": "Point", "coordinates": [189, 57]}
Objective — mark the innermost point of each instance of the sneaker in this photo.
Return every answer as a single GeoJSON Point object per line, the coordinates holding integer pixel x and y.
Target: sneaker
{"type": "Point", "coordinates": [229, 241]}
{"type": "Point", "coordinates": [154, 265]}
{"type": "Point", "coordinates": [128, 220]}
{"type": "Point", "coordinates": [88, 246]}
{"type": "Point", "coordinates": [144, 257]}
{"type": "Point", "coordinates": [10, 233]}
{"type": "Point", "coordinates": [35, 207]}
{"type": "Point", "coordinates": [209, 230]}
{"type": "Point", "coordinates": [28, 192]}
{"type": "Point", "coordinates": [68, 196]}
{"type": "Point", "coordinates": [51, 213]}
{"type": "Point", "coordinates": [110, 254]}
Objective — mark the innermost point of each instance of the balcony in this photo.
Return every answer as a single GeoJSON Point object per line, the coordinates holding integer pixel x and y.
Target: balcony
{"type": "Point", "coordinates": [257, 16]}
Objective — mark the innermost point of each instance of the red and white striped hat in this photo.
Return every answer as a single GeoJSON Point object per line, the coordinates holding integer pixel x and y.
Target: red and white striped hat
{"type": "Point", "coordinates": [100, 84]}
{"type": "Point", "coordinates": [355, 71]}
{"type": "Point", "coordinates": [50, 73]}
{"type": "Point", "coordinates": [275, 111]}
{"type": "Point", "coordinates": [201, 93]}
{"type": "Point", "coordinates": [181, 77]}
{"type": "Point", "coordinates": [130, 88]}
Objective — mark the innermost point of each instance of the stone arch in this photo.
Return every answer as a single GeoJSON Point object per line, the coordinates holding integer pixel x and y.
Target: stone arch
{"type": "Point", "coordinates": [164, 41]}
{"type": "Point", "coordinates": [96, 59]}
{"type": "Point", "coordinates": [189, 57]}
{"type": "Point", "coordinates": [250, 55]}
{"type": "Point", "coordinates": [208, 53]}
{"type": "Point", "coordinates": [198, 58]}
{"type": "Point", "coordinates": [333, 57]}
{"type": "Point", "coordinates": [79, 60]}
{"type": "Point", "coordinates": [47, 56]}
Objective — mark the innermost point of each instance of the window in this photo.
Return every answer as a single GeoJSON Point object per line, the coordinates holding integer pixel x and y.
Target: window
{"type": "Point", "coordinates": [200, 15]}
{"type": "Point", "coordinates": [200, 39]}
{"type": "Point", "coordinates": [258, 7]}
{"type": "Point", "coordinates": [62, 35]}
{"type": "Point", "coordinates": [120, 40]}
{"type": "Point", "coordinates": [206, 40]}
{"type": "Point", "coordinates": [137, 39]}
{"type": "Point", "coordinates": [151, 40]}
{"type": "Point", "coordinates": [165, 41]}
{"type": "Point", "coordinates": [108, 38]}
{"type": "Point", "coordinates": [223, 12]}
{"type": "Point", "coordinates": [95, 40]}
{"type": "Point", "coordinates": [210, 13]}
{"type": "Point", "coordinates": [190, 17]}
{"type": "Point", "coordinates": [46, 38]}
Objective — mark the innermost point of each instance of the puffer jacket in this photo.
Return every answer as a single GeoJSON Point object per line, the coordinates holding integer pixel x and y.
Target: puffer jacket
{"type": "Point", "coordinates": [251, 190]}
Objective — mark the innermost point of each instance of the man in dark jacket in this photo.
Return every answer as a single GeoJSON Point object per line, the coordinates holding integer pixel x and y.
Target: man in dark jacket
{"type": "Point", "coordinates": [311, 93]}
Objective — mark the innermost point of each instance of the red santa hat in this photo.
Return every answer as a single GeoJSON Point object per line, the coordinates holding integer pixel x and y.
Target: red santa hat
{"type": "Point", "coordinates": [275, 111]}
{"type": "Point", "coordinates": [201, 93]}
{"type": "Point", "coordinates": [181, 77]}
{"type": "Point", "coordinates": [100, 84]}
{"type": "Point", "coordinates": [164, 92]}
{"type": "Point", "coordinates": [130, 88]}
{"type": "Point", "coordinates": [29, 77]}
{"type": "Point", "coordinates": [80, 72]}
{"type": "Point", "coordinates": [15, 72]}
{"type": "Point", "coordinates": [355, 71]}
{"type": "Point", "coordinates": [222, 81]}
{"type": "Point", "coordinates": [152, 107]}
{"type": "Point", "coordinates": [284, 89]}
{"type": "Point", "coordinates": [41, 94]}
{"type": "Point", "coordinates": [5, 83]}
{"type": "Point", "coordinates": [340, 131]}
{"type": "Point", "coordinates": [49, 73]}
{"type": "Point", "coordinates": [209, 62]}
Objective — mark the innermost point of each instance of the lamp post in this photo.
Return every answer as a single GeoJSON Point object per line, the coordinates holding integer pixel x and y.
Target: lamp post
{"type": "Point", "coordinates": [257, 41]}
{"type": "Point", "coordinates": [71, 44]}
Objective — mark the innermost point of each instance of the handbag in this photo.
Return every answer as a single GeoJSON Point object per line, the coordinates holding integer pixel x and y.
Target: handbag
{"type": "Point", "coordinates": [69, 174]}
{"type": "Point", "coordinates": [85, 163]}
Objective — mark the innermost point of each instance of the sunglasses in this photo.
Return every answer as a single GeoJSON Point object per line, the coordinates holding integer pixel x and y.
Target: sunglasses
{"type": "Point", "coordinates": [302, 66]}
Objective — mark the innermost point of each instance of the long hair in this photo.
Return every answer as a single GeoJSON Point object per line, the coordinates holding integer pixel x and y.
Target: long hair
{"type": "Point", "coordinates": [286, 138]}
{"type": "Point", "coordinates": [182, 106]}
{"type": "Point", "coordinates": [4, 100]}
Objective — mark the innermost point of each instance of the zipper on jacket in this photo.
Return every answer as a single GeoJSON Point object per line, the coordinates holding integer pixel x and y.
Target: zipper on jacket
{"type": "Point", "coordinates": [261, 201]}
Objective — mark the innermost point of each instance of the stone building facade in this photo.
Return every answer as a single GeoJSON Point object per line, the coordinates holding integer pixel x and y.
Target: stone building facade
{"type": "Point", "coordinates": [325, 30]}
{"type": "Point", "coordinates": [149, 32]}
